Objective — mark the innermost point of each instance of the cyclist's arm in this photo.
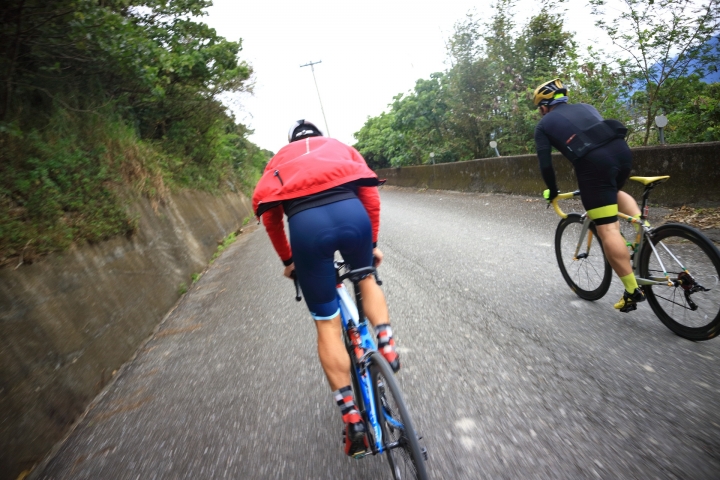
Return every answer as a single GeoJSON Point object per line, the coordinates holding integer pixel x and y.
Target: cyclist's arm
{"type": "Point", "coordinates": [370, 199]}
{"type": "Point", "coordinates": [273, 221]}
{"type": "Point", "coordinates": [544, 149]}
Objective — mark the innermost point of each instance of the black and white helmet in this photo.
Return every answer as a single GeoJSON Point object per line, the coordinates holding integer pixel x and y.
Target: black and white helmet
{"type": "Point", "coordinates": [303, 129]}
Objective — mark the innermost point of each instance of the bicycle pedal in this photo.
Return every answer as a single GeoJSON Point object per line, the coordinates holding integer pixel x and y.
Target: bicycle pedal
{"type": "Point", "coordinates": [629, 308]}
{"type": "Point", "coordinates": [359, 455]}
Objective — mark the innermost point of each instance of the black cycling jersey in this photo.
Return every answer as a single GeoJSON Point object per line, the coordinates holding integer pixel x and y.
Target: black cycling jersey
{"type": "Point", "coordinates": [331, 195]}
{"type": "Point", "coordinates": [601, 169]}
{"type": "Point", "coordinates": [555, 128]}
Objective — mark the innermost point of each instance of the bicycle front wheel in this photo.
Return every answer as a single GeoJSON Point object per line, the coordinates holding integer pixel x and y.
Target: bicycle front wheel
{"type": "Point", "coordinates": [589, 273]}
{"type": "Point", "coordinates": [691, 306]}
{"type": "Point", "coordinates": [406, 457]}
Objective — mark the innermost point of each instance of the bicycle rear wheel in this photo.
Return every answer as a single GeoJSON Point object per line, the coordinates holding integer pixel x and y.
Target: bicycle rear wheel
{"type": "Point", "coordinates": [691, 307]}
{"type": "Point", "coordinates": [589, 275]}
{"type": "Point", "coordinates": [406, 457]}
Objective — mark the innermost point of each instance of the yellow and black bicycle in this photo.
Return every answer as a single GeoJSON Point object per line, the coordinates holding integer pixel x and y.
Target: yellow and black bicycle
{"type": "Point", "coordinates": [676, 265]}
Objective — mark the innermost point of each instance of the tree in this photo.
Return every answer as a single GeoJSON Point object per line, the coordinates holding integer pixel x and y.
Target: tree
{"type": "Point", "coordinates": [665, 41]}
{"type": "Point", "coordinates": [693, 111]}
{"type": "Point", "coordinates": [549, 50]}
{"type": "Point", "coordinates": [99, 94]}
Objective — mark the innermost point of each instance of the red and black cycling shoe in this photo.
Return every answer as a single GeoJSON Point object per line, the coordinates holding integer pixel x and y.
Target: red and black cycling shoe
{"type": "Point", "coordinates": [354, 438]}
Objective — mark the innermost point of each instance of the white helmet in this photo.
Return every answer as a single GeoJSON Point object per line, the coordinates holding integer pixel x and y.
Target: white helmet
{"type": "Point", "coordinates": [303, 129]}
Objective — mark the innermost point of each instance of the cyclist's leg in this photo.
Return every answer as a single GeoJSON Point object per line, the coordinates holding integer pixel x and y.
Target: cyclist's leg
{"type": "Point", "coordinates": [357, 250]}
{"type": "Point", "coordinates": [313, 240]}
{"type": "Point", "coordinates": [601, 174]}
{"type": "Point", "coordinates": [374, 302]}
{"type": "Point", "coordinates": [616, 250]}
{"type": "Point", "coordinates": [627, 204]}
{"type": "Point", "coordinates": [597, 175]}
{"type": "Point", "coordinates": [331, 352]}
{"type": "Point", "coordinates": [617, 162]}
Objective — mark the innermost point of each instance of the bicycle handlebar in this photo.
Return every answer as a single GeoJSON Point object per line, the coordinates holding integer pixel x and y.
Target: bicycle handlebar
{"type": "Point", "coordinates": [298, 297]}
{"type": "Point", "coordinates": [563, 196]}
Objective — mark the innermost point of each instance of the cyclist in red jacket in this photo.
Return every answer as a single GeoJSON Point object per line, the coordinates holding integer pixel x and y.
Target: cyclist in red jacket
{"type": "Point", "coordinates": [330, 197]}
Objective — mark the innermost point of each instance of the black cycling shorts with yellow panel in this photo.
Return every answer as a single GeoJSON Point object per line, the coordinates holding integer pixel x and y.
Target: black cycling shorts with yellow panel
{"type": "Point", "coordinates": [600, 174]}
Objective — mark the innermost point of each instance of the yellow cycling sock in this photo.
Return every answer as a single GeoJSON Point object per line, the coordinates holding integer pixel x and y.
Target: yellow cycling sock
{"type": "Point", "coordinates": [629, 282]}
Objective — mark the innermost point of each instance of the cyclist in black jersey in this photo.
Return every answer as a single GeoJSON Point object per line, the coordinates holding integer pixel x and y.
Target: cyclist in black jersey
{"type": "Point", "coordinates": [602, 161]}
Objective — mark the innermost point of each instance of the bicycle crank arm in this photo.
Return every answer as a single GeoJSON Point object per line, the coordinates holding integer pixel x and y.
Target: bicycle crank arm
{"type": "Point", "coordinates": [362, 455]}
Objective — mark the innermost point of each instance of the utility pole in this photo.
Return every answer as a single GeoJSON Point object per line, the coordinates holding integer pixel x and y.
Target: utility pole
{"type": "Point", "coordinates": [310, 64]}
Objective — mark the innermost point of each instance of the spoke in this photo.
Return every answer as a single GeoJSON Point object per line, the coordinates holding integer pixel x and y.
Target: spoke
{"type": "Point", "coordinates": [674, 302]}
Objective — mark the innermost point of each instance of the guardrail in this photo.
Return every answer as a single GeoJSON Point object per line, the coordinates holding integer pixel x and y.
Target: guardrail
{"type": "Point", "coordinates": [694, 170]}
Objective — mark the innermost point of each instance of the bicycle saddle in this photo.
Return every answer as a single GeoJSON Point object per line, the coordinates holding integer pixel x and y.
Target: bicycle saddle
{"type": "Point", "coordinates": [650, 180]}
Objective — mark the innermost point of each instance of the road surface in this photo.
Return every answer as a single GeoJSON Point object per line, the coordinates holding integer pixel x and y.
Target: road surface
{"type": "Point", "coordinates": [507, 373]}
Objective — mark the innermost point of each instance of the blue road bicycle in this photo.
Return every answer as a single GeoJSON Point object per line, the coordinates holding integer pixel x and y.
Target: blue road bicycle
{"type": "Point", "coordinates": [377, 394]}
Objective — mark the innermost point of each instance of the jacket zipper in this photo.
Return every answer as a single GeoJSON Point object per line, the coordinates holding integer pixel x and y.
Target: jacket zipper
{"type": "Point", "coordinates": [277, 174]}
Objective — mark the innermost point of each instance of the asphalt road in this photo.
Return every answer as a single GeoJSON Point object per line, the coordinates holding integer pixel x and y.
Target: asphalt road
{"type": "Point", "coordinates": [507, 373]}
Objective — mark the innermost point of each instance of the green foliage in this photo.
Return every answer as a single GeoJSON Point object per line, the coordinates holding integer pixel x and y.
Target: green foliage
{"type": "Point", "coordinates": [229, 240]}
{"type": "Point", "coordinates": [57, 186]}
{"type": "Point", "coordinates": [182, 288]}
{"type": "Point", "coordinates": [664, 41]}
{"type": "Point", "coordinates": [486, 93]}
{"type": "Point", "coordinates": [99, 96]}
{"type": "Point", "coordinates": [695, 113]}
{"type": "Point", "coordinates": [482, 97]}
{"type": "Point", "coordinates": [195, 277]}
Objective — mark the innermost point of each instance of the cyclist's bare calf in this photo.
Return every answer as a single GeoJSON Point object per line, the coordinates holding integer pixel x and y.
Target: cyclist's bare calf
{"type": "Point", "coordinates": [613, 243]}
{"type": "Point", "coordinates": [331, 351]}
{"type": "Point", "coordinates": [627, 204]}
{"type": "Point", "coordinates": [331, 348]}
{"type": "Point", "coordinates": [374, 304]}
{"type": "Point", "coordinates": [615, 249]}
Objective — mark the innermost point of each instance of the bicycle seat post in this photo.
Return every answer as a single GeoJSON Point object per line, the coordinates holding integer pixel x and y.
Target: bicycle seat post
{"type": "Point", "coordinates": [358, 301]}
{"type": "Point", "coordinates": [645, 210]}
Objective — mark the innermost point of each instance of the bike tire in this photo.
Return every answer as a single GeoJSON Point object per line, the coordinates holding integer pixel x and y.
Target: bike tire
{"type": "Point", "coordinates": [588, 277]}
{"type": "Point", "coordinates": [702, 260]}
{"type": "Point", "coordinates": [407, 459]}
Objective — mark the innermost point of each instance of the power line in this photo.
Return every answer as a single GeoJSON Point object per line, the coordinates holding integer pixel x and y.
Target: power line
{"type": "Point", "coordinates": [310, 64]}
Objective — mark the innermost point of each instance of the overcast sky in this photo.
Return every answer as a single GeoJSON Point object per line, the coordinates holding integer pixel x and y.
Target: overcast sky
{"type": "Point", "coordinates": [370, 51]}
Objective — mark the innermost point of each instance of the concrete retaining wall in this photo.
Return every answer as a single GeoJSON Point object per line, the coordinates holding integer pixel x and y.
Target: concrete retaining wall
{"type": "Point", "coordinates": [694, 171]}
{"type": "Point", "coordinates": [67, 322]}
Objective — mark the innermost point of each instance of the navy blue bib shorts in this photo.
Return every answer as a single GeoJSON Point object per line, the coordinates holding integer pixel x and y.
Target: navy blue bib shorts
{"type": "Point", "coordinates": [315, 235]}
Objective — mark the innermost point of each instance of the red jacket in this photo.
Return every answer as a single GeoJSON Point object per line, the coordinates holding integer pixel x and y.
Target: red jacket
{"type": "Point", "coordinates": [306, 167]}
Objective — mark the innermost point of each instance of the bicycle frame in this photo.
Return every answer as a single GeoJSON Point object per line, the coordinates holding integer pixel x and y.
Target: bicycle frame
{"type": "Point", "coordinates": [640, 239]}
{"type": "Point", "coordinates": [359, 335]}
{"type": "Point", "coordinates": [361, 346]}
